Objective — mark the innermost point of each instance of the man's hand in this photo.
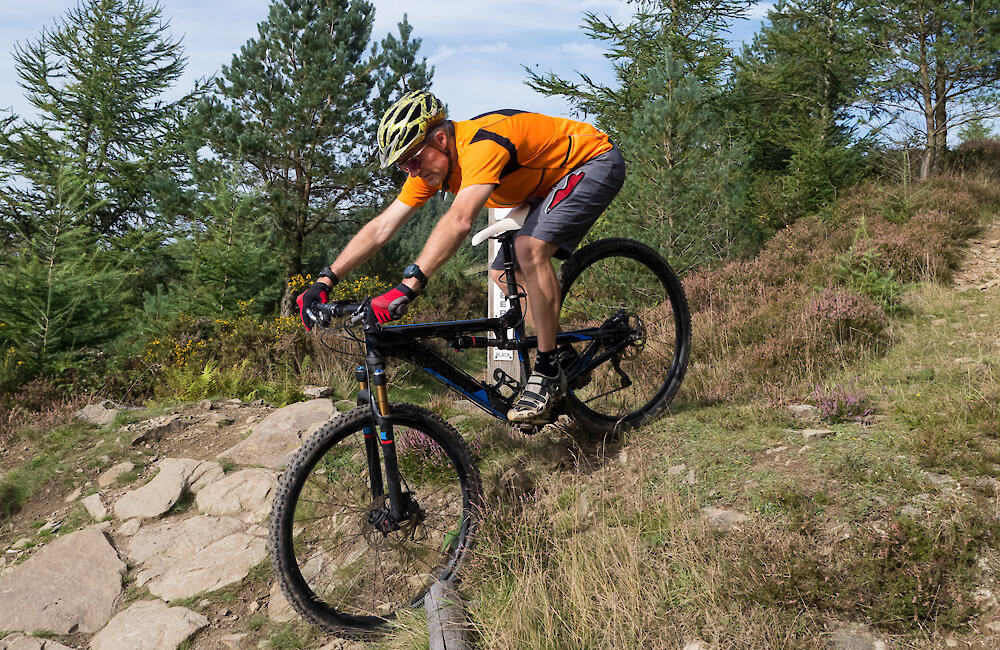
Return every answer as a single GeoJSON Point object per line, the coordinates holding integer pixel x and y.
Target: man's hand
{"type": "Point", "coordinates": [392, 304]}
{"type": "Point", "coordinates": [318, 291]}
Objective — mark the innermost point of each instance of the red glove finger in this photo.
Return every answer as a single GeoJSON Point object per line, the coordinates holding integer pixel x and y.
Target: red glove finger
{"type": "Point", "coordinates": [318, 291]}
{"type": "Point", "coordinates": [393, 303]}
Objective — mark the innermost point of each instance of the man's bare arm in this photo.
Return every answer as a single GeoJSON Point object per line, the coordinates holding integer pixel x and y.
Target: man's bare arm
{"type": "Point", "coordinates": [451, 230]}
{"type": "Point", "coordinates": [371, 238]}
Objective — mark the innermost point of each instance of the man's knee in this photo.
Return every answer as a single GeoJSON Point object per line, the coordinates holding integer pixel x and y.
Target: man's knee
{"type": "Point", "coordinates": [533, 252]}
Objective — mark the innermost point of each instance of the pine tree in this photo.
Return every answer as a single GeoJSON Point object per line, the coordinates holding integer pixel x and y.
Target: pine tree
{"type": "Point", "coordinates": [937, 63]}
{"type": "Point", "coordinates": [685, 188]}
{"type": "Point", "coordinates": [228, 257]}
{"type": "Point", "coordinates": [692, 30]}
{"type": "Point", "coordinates": [791, 96]}
{"type": "Point", "coordinates": [297, 107]}
{"type": "Point", "coordinates": [59, 290]}
{"type": "Point", "coordinates": [96, 80]}
{"type": "Point", "coordinates": [976, 130]}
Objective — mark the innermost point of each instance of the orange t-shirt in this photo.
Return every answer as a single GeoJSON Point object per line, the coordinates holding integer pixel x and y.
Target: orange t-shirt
{"type": "Point", "coordinates": [523, 154]}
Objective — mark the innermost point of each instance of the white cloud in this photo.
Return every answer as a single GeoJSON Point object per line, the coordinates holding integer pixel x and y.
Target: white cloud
{"type": "Point", "coordinates": [491, 18]}
{"type": "Point", "coordinates": [444, 52]}
{"type": "Point", "coordinates": [586, 50]}
{"type": "Point", "coordinates": [759, 10]}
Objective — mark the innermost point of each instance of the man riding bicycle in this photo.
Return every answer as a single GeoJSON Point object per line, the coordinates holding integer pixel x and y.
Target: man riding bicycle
{"type": "Point", "coordinates": [566, 171]}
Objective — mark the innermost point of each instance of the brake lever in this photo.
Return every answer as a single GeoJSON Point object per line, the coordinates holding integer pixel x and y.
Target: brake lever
{"type": "Point", "coordinates": [318, 317]}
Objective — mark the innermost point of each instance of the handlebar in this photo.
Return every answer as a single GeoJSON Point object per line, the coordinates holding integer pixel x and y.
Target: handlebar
{"type": "Point", "coordinates": [323, 313]}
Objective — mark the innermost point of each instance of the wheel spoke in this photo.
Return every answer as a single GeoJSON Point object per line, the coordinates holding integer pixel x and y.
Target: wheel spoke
{"type": "Point", "coordinates": [345, 563]}
{"type": "Point", "coordinates": [629, 284]}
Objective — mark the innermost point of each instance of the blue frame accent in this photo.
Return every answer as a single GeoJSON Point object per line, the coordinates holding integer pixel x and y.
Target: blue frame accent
{"type": "Point", "coordinates": [479, 397]}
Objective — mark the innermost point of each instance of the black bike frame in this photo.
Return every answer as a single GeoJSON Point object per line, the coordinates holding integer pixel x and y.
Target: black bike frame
{"type": "Point", "coordinates": [404, 342]}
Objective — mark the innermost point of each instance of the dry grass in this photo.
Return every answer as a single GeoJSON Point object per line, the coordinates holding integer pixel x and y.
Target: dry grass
{"type": "Point", "coordinates": [814, 299]}
{"type": "Point", "coordinates": [620, 557]}
{"type": "Point", "coordinates": [38, 405]}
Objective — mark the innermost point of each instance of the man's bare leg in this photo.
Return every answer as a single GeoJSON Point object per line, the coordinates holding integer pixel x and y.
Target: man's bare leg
{"type": "Point", "coordinates": [547, 383]}
{"type": "Point", "coordinates": [534, 256]}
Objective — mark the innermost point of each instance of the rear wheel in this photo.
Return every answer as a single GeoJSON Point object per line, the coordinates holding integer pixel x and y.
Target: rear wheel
{"type": "Point", "coordinates": [342, 564]}
{"type": "Point", "coordinates": [627, 285]}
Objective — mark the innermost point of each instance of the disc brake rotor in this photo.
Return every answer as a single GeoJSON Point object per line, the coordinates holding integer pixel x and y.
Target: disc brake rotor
{"type": "Point", "coordinates": [379, 529]}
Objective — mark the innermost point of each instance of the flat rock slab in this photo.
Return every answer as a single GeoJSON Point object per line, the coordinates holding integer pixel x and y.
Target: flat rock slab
{"type": "Point", "coordinates": [247, 492]}
{"type": "Point", "coordinates": [97, 414]}
{"type": "Point", "coordinates": [278, 607]}
{"type": "Point", "coordinates": [112, 474]}
{"type": "Point", "coordinates": [277, 436]}
{"type": "Point", "coordinates": [176, 475]}
{"type": "Point", "coordinates": [164, 542]}
{"type": "Point", "coordinates": [159, 428]}
{"type": "Point", "coordinates": [855, 637]}
{"type": "Point", "coordinates": [318, 391]}
{"type": "Point", "coordinates": [723, 519]}
{"type": "Point", "coordinates": [95, 506]}
{"type": "Point", "coordinates": [815, 434]}
{"type": "Point", "coordinates": [19, 641]}
{"type": "Point", "coordinates": [45, 592]}
{"type": "Point", "coordinates": [149, 625]}
{"type": "Point", "coordinates": [204, 553]}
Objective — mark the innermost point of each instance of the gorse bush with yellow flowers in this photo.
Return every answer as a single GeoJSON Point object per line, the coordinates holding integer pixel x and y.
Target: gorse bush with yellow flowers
{"type": "Point", "coordinates": [200, 356]}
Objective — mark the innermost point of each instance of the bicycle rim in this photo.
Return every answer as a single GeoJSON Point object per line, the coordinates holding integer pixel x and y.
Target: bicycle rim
{"type": "Point", "coordinates": [336, 567]}
{"type": "Point", "coordinates": [628, 283]}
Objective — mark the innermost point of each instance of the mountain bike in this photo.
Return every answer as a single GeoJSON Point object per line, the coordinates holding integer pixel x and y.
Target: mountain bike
{"type": "Point", "coordinates": [382, 501]}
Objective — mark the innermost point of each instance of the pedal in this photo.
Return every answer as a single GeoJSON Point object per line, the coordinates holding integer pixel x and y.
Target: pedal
{"type": "Point", "coordinates": [503, 380]}
{"type": "Point", "coordinates": [526, 428]}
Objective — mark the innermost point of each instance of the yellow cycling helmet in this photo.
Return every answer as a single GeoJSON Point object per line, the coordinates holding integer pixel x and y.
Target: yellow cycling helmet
{"type": "Point", "coordinates": [405, 125]}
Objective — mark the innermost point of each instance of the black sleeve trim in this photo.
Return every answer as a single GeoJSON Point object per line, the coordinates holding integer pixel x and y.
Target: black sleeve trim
{"type": "Point", "coordinates": [569, 148]}
{"type": "Point", "coordinates": [512, 164]}
{"type": "Point", "coordinates": [503, 111]}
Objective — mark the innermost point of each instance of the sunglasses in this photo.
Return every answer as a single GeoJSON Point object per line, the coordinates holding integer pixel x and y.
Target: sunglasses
{"type": "Point", "coordinates": [413, 164]}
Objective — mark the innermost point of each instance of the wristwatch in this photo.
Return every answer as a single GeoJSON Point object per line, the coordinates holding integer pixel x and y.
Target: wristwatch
{"type": "Point", "coordinates": [327, 272]}
{"type": "Point", "coordinates": [413, 271]}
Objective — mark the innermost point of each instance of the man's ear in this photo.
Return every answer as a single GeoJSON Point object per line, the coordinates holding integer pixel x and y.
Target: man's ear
{"type": "Point", "coordinates": [441, 138]}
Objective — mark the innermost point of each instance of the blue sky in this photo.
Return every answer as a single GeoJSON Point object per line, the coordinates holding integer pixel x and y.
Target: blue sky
{"type": "Point", "coordinates": [477, 47]}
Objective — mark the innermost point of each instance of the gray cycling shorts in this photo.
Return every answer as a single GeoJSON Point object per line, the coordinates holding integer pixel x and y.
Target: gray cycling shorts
{"type": "Point", "coordinates": [573, 204]}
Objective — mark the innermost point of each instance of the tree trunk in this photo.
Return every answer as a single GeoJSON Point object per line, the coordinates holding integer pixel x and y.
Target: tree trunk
{"type": "Point", "coordinates": [929, 140]}
{"type": "Point", "coordinates": [293, 267]}
{"type": "Point", "coordinates": [940, 118]}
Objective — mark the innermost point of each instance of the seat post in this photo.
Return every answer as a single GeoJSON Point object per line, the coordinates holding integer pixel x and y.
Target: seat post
{"type": "Point", "coordinates": [501, 232]}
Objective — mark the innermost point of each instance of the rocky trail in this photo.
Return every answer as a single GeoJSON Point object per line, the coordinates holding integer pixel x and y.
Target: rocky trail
{"type": "Point", "coordinates": [980, 270]}
{"type": "Point", "coordinates": [178, 551]}
{"type": "Point", "coordinates": [174, 550]}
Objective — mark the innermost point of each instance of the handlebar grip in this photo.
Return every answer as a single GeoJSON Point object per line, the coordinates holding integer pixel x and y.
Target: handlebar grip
{"type": "Point", "coordinates": [337, 308]}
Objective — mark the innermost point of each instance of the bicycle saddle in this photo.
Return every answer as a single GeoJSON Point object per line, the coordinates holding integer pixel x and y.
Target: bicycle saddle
{"type": "Point", "coordinates": [513, 221]}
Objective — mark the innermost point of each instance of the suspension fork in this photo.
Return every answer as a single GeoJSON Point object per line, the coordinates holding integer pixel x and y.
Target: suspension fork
{"type": "Point", "coordinates": [383, 423]}
{"type": "Point", "coordinates": [371, 441]}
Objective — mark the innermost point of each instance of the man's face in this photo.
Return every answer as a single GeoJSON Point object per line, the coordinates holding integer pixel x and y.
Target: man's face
{"type": "Point", "coordinates": [430, 162]}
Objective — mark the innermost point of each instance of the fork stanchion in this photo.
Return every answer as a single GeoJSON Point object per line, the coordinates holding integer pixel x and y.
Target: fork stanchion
{"type": "Point", "coordinates": [506, 360]}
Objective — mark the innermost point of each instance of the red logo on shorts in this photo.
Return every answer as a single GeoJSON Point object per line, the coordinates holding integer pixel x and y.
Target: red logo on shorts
{"type": "Point", "coordinates": [562, 193]}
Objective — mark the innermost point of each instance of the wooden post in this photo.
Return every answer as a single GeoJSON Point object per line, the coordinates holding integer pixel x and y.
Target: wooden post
{"type": "Point", "coordinates": [445, 619]}
{"type": "Point", "coordinates": [506, 360]}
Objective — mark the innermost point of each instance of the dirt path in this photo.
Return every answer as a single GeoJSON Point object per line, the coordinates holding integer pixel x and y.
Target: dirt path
{"type": "Point", "coordinates": [980, 270]}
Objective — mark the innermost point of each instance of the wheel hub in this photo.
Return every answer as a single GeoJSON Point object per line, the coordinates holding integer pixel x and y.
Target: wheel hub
{"type": "Point", "coordinates": [637, 339]}
{"type": "Point", "coordinates": [379, 523]}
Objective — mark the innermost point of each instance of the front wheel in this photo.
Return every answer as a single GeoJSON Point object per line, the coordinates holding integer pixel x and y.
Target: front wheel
{"type": "Point", "coordinates": [628, 284]}
{"type": "Point", "coordinates": [338, 563]}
